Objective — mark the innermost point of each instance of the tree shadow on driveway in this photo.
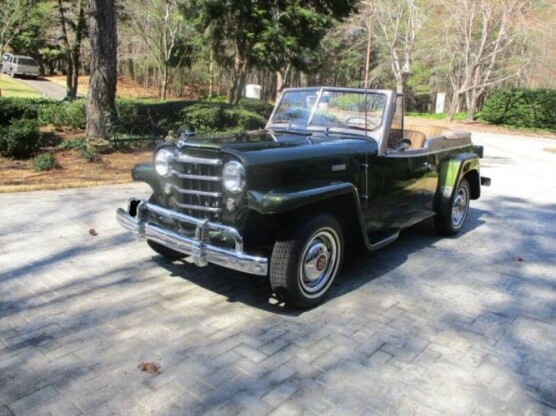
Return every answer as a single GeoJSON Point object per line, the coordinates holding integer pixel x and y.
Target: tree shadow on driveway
{"type": "Point", "coordinates": [360, 268]}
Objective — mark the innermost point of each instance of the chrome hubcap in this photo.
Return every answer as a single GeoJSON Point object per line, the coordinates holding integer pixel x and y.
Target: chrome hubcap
{"type": "Point", "coordinates": [459, 207]}
{"type": "Point", "coordinates": [319, 261]}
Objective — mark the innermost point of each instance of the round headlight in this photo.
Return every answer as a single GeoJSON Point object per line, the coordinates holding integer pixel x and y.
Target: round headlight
{"type": "Point", "coordinates": [162, 162]}
{"type": "Point", "coordinates": [233, 177]}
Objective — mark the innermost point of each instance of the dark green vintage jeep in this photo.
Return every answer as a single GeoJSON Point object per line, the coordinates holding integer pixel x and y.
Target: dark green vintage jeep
{"type": "Point", "coordinates": [333, 165]}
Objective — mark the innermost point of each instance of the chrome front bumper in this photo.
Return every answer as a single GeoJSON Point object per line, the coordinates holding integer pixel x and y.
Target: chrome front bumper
{"type": "Point", "coordinates": [201, 252]}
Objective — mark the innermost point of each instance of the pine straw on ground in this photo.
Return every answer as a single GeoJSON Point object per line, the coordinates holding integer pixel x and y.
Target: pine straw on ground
{"type": "Point", "coordinates": [73, 171]}
{"type": "Point", "coordinates": [127, 88]}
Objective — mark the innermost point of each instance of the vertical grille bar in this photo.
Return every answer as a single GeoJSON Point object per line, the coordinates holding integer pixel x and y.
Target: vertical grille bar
{"type": "Point", "coordinates": [197, 185]}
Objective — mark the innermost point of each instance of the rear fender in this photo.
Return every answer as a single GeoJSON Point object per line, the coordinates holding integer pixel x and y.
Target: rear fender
{"type": "Point", "coordinates": [450, 173]}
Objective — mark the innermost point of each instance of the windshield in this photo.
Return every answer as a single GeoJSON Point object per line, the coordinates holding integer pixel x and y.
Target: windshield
{"type": "Point", "coordinates": [331, 108]}
{"type": "Point", "coordinates": [26, 61]}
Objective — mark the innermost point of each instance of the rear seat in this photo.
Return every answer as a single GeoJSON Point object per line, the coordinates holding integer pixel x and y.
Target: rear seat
{"type": "Point", "coordinates": [418, 134]}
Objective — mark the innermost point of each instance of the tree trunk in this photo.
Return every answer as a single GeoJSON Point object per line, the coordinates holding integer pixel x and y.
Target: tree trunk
{"type": "Point", "coordinates": [399, 86]}
{"type": "Point", "coordinates": [164, 80]}
{"type": "Point", "coordinates": [131, 62]}
{"type": "Point", "coordinates": [211, 76]}
{"type": "Point", "coordinates": [68, 52]}
{"type": "Point", "coordinates": [231, 97]}
{"type": "Point", "coordinates": [76, 53]}
{"type": "Point", "coordinates": [69, 77]}
{"type": "Point", "coordinates": [454, 105]}
{"type": "Point", "coordinates": [239, 76]}
{"type": "Point", "coordinates": [471, 101]}
{"type": "Point", "coordinates": [101, 101]}
{"type": "Point", "coordinates": [279, 81]}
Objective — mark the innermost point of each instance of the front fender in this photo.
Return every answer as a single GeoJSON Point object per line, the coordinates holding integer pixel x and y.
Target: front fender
{"type": "Point", "coordinates": [290, 198]}
{"type": "Point", "coordinates": [144, 172]}
{"type": "Point", "coordinates": [450, 173]}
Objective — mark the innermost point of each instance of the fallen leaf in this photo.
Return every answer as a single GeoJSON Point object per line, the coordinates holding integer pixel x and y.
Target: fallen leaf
{"type": "Point", "coordinates": [151, 368]}
{"type": "Point", "coordinates": [93, 232]}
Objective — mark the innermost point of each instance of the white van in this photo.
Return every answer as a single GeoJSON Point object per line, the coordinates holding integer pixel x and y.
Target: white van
{"type": "Point", "coordinates": [21, 65]}
{"type": "Point", "coordinates": [5, 58]}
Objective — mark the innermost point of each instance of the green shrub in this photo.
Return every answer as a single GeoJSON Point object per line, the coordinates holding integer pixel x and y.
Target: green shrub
{"type": "Point", "coordinates": [160, 116]}
{"type": "Point", "coordinates": [70, 115]}
{"type": "Point", "coordinates": [19, 108]}
{"type": "Point", "coordinates": [20, 140]}
{"type": "Point", "coordinates": [76, 115]}
{"type": "Point", "coordinates": [205, 118]}
{"type": "Point", "coordinates": [243, 119]}
{"type": "Point", "coordinates": [44, 161]}
{"type": "Point", "coordinates": [52, 114]}
{"type": "Point", "coordinates": [262, 108]}
{"type": "Point", "coordinates": [90, 155]}
{"type": "Point", "coordinates": [73, 144]}
{"type": "Point", "coordinates": [521, 108]}
{"type": "Point", "coordinates": [220, 98]}
{"type": "Point", "coordinates": [215, 117]}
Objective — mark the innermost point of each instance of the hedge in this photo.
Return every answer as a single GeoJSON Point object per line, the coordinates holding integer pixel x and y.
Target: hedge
{"type": "Point", "coordinates": [157, 117]}
{"type": "Point", "coordinates": [216, 117]}
{"type": "Point", "coordinates": [61, 115]}
{"type": "Point", "coordinates": [532, 108]}
{"type": "Point", "coordinates": [260, 107]}
{"type": "Point", "coordinates": [12, 108]}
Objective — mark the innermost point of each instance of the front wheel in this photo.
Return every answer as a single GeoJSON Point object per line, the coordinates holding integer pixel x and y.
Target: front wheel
{"type": "Point", "coordinates": [452, 222]}
{"type": "Point", "coordinates": [304, 264]}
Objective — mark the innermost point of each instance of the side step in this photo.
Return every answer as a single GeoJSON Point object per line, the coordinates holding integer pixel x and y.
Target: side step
{"type": "Point", "coordinates": [379, 240]}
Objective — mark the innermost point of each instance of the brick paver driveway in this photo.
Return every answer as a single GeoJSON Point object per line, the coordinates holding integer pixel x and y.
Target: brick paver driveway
{"type": "Point", "coordinates": [462, 326]}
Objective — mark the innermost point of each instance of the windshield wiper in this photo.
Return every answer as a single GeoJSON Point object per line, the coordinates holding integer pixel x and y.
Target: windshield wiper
{"type": "Point", "coordinates": [291, 130]}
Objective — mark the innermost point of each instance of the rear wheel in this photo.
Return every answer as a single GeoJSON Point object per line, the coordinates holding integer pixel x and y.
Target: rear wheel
{"type": "Point", "coordinates": [452, 222]}
{"type": "Point", "coordinates": [306, 261]}
{"type": "Point", "coordinates": [159, 248]}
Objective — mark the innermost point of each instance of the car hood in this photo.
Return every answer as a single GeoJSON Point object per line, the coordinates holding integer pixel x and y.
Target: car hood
{"type": "Point", "coordinates": [262, 140]}
{"type": "Point", "coordinates": [280, 148]}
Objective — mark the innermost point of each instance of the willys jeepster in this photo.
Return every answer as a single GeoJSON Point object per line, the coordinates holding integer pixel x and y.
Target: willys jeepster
{"type": "Point", "coordinates": [333, 165]}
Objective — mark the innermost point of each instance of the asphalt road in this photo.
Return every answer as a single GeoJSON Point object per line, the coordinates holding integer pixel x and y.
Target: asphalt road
{"type": "Point", "coordinates": [426, 326]}
{"type": "Point", "coordinates": [47, 88]}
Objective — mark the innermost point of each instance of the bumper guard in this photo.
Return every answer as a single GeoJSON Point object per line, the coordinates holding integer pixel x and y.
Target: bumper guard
{"type": "Point", "coordinates": [198, 248]}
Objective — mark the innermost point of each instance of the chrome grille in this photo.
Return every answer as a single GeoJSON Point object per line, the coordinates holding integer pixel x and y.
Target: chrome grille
{"type": "Point", "coordinates": [197, 186]}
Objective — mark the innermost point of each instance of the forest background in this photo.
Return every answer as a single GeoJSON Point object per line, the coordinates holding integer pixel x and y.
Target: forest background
{"type": "Point", "coordinates": [188, 62]}
{"type": "Point", "coordinates": [193, 48]}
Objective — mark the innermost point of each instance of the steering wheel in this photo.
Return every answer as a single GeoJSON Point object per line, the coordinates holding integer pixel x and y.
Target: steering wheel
{"type": "Point", "coordinates": [403, 145]}
{"type": "Point", "coordinates": [361, 121]}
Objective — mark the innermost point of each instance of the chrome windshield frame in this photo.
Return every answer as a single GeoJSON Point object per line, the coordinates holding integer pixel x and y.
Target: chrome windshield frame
{"type": "Point", "coordinates": [378, 134]}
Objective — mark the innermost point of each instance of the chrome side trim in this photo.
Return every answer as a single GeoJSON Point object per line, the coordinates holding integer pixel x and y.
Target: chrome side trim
{"type": "Point", "coordinates": [201, 251]}
{"type": "Point", "coordinates": [197, 177]}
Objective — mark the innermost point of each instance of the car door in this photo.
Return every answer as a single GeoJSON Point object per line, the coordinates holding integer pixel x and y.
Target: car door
{"type": "Point", "coordinates": [398, 190]}
{"type": "Point", "coordinates": [399, 178]}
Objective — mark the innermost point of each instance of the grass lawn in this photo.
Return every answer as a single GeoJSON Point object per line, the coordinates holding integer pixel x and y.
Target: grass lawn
{"type": "Point", "coordinates": [13, 88]}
